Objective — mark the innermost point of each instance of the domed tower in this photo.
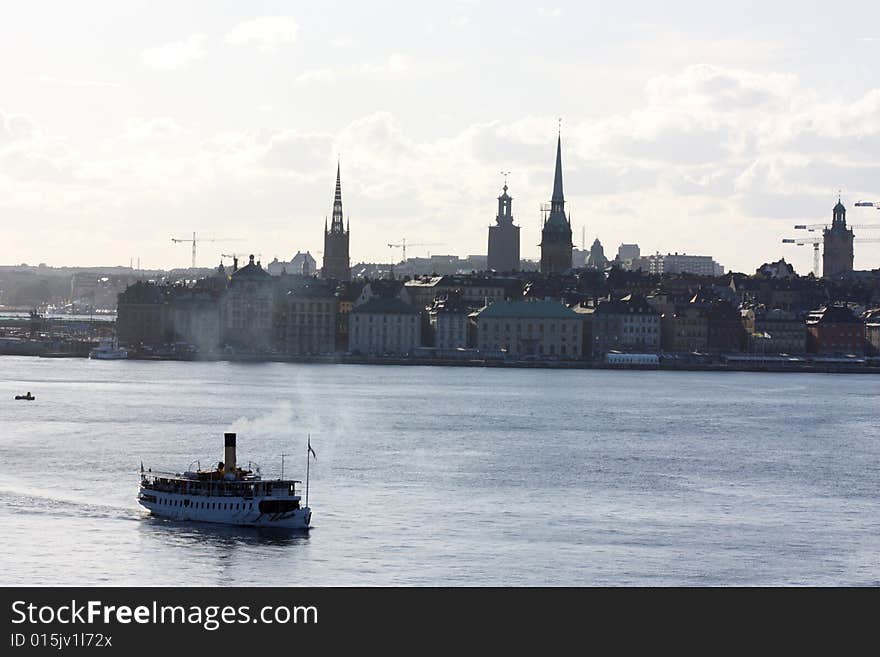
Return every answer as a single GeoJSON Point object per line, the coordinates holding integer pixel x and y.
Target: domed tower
{"type": "Point", "coordinates": [503, 254]}
{"type": "Point", "coordinates": [837, 251]}
{"type": "Point", "coordinates": [556, 242]}
{"type": "Point", "coordinates": [336, 259]}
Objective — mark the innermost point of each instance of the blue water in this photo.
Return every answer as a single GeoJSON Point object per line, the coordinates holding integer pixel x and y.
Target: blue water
{"type": "Point", "coordinates": [447, 476]}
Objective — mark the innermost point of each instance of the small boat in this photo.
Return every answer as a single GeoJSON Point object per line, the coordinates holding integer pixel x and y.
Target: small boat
{"type": "Point", "coordinates": [228, 494]}
{"type": "Point", "coordinates": [27, 397]}
{"type": "Point", "coordinates": [108, 350]}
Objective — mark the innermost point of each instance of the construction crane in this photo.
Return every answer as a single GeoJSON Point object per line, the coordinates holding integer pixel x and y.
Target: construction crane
{"type": "Point", "coordinates": [195, 240]}
{"type": "Point", "coordinates": [814, 227]}
{"type": "Point", "coordinates": [816, 241]}
{"type": "Point", "coordinates": [403, 245]}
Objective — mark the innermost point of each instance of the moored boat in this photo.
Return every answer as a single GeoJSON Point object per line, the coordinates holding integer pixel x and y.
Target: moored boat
{"type": "Point", "coordinates": [108, 350]}
{"type": "Point", "coordinates": [228, 494]}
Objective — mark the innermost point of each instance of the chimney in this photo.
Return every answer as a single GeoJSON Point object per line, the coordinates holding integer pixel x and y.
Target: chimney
{"type": "Point", "coordinates": [234, 264]}
{"type": "Point", "coordinates": [229, 443]}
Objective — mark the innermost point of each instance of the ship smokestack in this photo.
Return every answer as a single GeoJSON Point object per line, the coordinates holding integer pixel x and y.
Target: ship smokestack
{"type": "Point", "coordinates": [229, 444]}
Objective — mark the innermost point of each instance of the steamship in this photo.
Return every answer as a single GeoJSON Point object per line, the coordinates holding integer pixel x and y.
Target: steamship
{"type": "Point", "coordinates": [228, 494]}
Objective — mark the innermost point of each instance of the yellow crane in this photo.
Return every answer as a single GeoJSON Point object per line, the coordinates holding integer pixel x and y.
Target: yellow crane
{"type": "Point", "coordinates": [195, 240]}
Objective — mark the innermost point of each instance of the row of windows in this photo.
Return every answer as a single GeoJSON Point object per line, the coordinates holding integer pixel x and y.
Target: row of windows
{"type": "Point", "coordinates": [357, 319]}
{"type": "Point", "coordinates": [311, 306]}
{"type": "Point", "coordinates": [640, 329]}
{"type": "Point", "coordinates": [551, 350]}
{"type": "Point", "coordinates": [563, 327]}
{"type": "Point", "coordinates": [217, 506]}
{"type": "Point", "coordinates": [324, 320]}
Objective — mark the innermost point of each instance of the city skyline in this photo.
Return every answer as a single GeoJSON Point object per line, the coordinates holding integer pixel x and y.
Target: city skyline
{"type": "Point", "coordinates": [684, 131]}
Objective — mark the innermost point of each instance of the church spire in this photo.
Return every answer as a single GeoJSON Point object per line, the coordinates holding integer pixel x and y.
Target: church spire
{"type": "Point", "coordinates": [558, 200]}
{"type": "Point", "coordinates": [336, 226]}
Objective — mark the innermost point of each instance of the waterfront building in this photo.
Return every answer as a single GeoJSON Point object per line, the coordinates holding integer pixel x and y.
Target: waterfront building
{"type": "Point", "coordinates": [246, 311]}
{"type": "Point", "coordinates": [337, 264]}
{"type": "Point", "coordinates": [774, 331]}
{"type": "Point", "coordinates": [346, 296]}
{"type": "Point", "coordinates": [529, 328]}
{"type": "Point", "coordinates": [143, 315]}
{"type": "Point", "coordinates": [448, 318]}
{"type": "Point", "coordinates": [556, 244]}
{"type": "Point", "coordinates": [503, 254]}
{"type": "Point", "coordinates": [872, 331]}
{"type": "Point", "coordinates": [724, 331]}
{"type": "Point", "coordinates": [835, 329]}
{"type": "Point", "coordinates": [195, 317]}
{"type": "Point", "coordinates": [687, 329]}
{"type": "Point", "coordinates": [837, 244]}
{"type": "Point", "coordinates": [627, 324]}
{"type": "Point", "coordinates": [585, 313]}
{"type": "Point", "coordinates": [305, 317]}
{"type": "Point", "coordinates": [384, 326]}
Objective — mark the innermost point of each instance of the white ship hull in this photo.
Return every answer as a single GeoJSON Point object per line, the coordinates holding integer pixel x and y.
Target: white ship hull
{"type": "Point", "coordinates": [226, 510]}
{"type": "Point", "coordinates": [109, 356]}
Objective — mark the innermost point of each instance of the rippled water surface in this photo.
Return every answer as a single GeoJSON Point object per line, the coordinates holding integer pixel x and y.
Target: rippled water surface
{"type": "Point", "coordinates": [447, 476]}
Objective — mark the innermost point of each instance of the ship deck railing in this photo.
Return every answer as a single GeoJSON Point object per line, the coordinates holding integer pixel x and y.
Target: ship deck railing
{"type": "Point", "coordinates": [167, 482]}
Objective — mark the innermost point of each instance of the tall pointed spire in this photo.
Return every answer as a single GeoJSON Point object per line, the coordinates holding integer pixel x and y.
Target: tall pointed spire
{"type": "Point", "coordinates": [336, 226]}
{"type": "Point", "coordinates": [557, 180]}
{"type": "Point", "coordinates": [556, 242]}
{"type": "Point", "coordinates": [336, 255]}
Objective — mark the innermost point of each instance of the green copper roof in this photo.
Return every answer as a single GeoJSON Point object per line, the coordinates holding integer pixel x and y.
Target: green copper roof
{"type": "Point", "coordinates": [528, 309]}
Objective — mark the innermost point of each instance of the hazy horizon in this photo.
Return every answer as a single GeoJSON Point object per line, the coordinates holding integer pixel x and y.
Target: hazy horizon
{"type": "Point", "coordinates": [685, 128]}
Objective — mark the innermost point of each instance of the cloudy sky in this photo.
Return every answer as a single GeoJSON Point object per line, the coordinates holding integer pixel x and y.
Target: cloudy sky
{"type": "Point", "coordinates": [685, 128]}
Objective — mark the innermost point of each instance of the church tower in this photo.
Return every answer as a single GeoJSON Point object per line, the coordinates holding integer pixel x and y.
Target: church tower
{"type": "Point", "coordinates": [837, 251]}
{"type": "Point", "coordinates": [556, 242]}
{"type": "Point", "coordinates": [503, 255]}
{"type": "Point", "coordinates": [336, 258]}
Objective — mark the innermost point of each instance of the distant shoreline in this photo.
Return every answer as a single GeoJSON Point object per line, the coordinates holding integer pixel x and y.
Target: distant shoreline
{"type": "Point", "coordinates": [754, 366]}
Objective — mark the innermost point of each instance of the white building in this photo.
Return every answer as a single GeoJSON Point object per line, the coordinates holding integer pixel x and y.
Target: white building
{"type": "Point", "coordinates": [677, 263]}
{"type": "Point", "coordinates": [384, 326]}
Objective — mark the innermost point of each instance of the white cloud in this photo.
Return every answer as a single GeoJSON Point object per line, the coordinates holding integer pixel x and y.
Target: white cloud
{"type": "Point", "coordinates": [318, 75]}
{"type": "Point", "coordinates": [267, 32]}
{"type": "Point", "coordinates": [66, 82]}
{"type": "Point", "coordinates": [150, 130]}
{"type": "Point", "coordinates": [175, 55]}
{"type": "Point", "coordinates": [396, 65]}
{"type": "Point", "coordinates": [554, 12]}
